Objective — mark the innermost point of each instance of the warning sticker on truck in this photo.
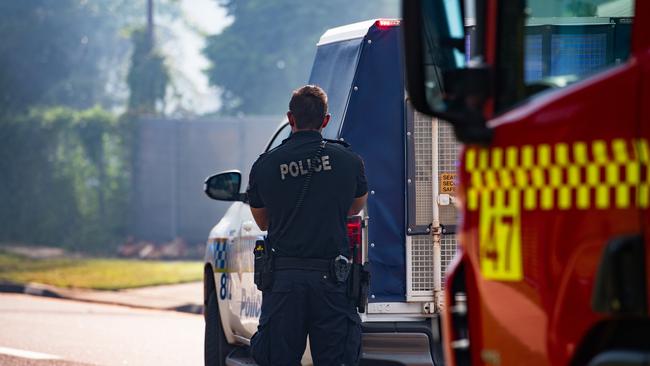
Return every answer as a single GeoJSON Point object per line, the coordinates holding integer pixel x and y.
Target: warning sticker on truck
{"type": "Point", "coordinates": [448, 183]}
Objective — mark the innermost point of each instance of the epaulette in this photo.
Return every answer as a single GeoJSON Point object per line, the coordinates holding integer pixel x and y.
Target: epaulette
{"type": "Point", "coordinates": [273, 149]}
{"type": "Point", "coordinates": [340, 142]}
{"type": "Point", "coordinates": [265, 154]}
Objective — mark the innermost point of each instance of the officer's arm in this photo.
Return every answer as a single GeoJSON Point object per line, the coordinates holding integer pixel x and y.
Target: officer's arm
{"type": "Point", "coordinates": [261, 217]}
{"type": "Point", "coordinates": [357, 205]}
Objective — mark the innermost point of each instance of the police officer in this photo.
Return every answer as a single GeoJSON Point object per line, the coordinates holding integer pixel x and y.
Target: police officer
{"type": "Point", "coordinates": [306, 225]}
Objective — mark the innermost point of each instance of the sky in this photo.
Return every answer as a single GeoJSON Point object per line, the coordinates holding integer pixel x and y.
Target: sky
{"type": "Point", "coordinates": [183, 53]}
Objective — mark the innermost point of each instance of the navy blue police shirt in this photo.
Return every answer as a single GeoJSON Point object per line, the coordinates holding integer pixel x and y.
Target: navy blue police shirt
{"type": "Point", "coordinates": [319, 228]}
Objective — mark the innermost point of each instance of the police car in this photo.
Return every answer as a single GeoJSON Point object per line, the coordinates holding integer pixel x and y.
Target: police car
{"type": "Point", "coordinates": [405, 231]}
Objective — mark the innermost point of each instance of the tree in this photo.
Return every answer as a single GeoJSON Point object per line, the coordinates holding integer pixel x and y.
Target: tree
{"type": "Point", "coordinates": [65, 178]}
{"type": "Point", "coordinates": [67, 52]}
{"type": "Point", "coordinates": [65, 161]}
{"type": "Point", "coordinates": [269, 48]}
{"type": "Point", "coordinates": [148, 77]}
{"type": "Point", "coordinates": [51, 53]}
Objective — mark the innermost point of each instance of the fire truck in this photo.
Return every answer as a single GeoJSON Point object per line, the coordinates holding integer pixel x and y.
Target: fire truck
{"type": "Point", "coordinates": [550, 100]}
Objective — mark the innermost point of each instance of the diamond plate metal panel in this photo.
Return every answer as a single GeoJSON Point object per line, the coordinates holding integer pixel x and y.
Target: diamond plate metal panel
{"type": "Point", "coordinates": [424, 270]}
{"type": "Point", "coordinates": [448, 149]}
{"type": "Point", "coordinates": [423, 169]}
{"type": "Point", "coordinates": [422, 264]}
{"type": "Point", "coordinates": [448, 244]}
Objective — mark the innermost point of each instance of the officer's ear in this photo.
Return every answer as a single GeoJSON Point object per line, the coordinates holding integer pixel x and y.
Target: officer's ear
{"type": "Point", "coordinates": [326, 120]}
{"type": "Point", "coordinates": [292, 119]}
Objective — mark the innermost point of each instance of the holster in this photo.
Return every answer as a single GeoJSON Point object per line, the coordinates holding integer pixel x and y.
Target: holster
{"type": "Point", "coordinates": [340, 269]}
{"type": "Point", "coordinates": [264, 265]}
{"type": "Point", "coordinates": [358, 285]}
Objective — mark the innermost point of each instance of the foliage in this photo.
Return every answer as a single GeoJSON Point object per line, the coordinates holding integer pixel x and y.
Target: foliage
{"type": "Point", "coordinates": [100, 274]}
{"type": "Point", "coordinates": [67, 52]}
{"type": "Point", "coordinates": [269, 48]}
{"type": "Point", "coordinates": [51, 54]}
{"type": "Point", "coordinates": [65, 178]}
{"type": "Point", "coordinates": [148, 76]}
{"type": "Point", "coordinates": [65, 162]}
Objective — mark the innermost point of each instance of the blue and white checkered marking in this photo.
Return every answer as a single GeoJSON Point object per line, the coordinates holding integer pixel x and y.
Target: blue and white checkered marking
{"type": "Point", "coordinates": [220, 255]}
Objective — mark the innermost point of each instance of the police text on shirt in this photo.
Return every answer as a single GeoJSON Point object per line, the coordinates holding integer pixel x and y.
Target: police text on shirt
{"type": "Point", "coordinates": [302, 167]}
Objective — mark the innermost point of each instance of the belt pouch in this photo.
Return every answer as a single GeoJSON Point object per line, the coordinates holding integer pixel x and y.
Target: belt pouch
{"type": "Point", "coordinates": [364, 282]}
{"type": "Point", "coordinates": [263, 276]}
{"type": "Point", "coordinates": [354, 284]}
{"type": "Point", "coordinates": [358, 285]}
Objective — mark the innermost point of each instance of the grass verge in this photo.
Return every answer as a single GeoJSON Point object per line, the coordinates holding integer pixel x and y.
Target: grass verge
{"type": "Point", "coordinates": [99, 274]}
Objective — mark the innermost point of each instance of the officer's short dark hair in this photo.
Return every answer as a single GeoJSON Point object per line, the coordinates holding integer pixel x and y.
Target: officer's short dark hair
{"type": "Point", "coordinates": [309, 106]}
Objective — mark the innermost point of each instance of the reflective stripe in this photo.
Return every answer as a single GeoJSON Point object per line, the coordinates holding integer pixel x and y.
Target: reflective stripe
{"type": "Point", "coordinates": [583, 175]}
{"type": "Point", "coordinates": [597, 175]}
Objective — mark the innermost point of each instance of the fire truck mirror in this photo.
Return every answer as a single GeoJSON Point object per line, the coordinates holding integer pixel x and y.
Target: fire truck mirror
{"type": "Point", "coordinates": [434, 34]}
{"type": "Point", "coordinates": [442, 81]}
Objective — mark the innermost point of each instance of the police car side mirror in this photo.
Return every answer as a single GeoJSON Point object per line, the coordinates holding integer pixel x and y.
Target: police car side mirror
{"type": "Point", "coordinates": [224, 186]}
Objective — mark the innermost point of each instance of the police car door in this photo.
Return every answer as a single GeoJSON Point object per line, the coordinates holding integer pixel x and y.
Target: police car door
{"type": "Point", "coordinates": [246, 300]}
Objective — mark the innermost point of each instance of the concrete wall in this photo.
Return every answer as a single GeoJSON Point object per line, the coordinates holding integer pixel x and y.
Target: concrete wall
{"type": "Point", "coordinates": [172, 159]}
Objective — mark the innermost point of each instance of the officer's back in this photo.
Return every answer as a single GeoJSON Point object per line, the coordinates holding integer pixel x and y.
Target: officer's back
{"type": "Point", "coordinates": [280, 177]}
{"type": "Point", "coordinates": [302, 192]}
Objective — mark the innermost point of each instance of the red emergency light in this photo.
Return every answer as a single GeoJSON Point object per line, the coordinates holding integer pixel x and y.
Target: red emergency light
{"type": "Point", "coordinates": [354, 237]}
{"type": "Point", "coordinates": [387, 23]}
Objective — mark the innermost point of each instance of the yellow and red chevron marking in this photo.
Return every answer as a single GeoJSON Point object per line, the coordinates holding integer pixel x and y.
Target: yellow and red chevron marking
{"type": "Point", "coordinates": [504, 182]}
{"type": "Point", "coordinates": [579, 175]}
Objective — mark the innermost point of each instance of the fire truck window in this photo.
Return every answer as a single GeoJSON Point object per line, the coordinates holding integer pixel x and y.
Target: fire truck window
{"type": "Point", "coordinates": [568, 40]}
{"type": "Point", "coordinates": [557, 43]}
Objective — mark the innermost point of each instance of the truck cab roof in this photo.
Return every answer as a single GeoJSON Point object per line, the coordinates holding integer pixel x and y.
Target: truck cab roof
{"type": "Point", "coordinates": [354, 30]}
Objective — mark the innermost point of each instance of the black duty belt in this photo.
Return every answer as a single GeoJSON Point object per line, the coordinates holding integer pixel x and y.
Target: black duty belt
{"type": "Point", "coordinates": [305, 264]}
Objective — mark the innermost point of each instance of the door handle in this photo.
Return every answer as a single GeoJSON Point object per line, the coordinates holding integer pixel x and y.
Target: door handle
{"type": "Point", "coordinates": [620, 285]}
{"type": "Point", "coordinates": [247, 225]}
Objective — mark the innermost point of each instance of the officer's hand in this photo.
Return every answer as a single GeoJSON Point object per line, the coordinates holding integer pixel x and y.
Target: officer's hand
{"type": "Point", "coordinates": [357, 205]}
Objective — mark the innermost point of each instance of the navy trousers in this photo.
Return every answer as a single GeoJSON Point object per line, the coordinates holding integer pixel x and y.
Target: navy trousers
{"type": "Point", "coordinates": [307, 303]}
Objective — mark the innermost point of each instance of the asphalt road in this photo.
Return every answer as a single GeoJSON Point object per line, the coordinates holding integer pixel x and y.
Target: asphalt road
{"type": "Point", "coordinates": [36, 331]}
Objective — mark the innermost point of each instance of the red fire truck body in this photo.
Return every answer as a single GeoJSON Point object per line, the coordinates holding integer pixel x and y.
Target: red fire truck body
{"type": "Point", "coordinates": [544, 314]}
{"type": "Point", "coordinates": [553, 264]}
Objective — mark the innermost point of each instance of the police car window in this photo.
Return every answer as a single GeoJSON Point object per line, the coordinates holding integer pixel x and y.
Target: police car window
{"type": "Point", "coordinates": [284, 132]}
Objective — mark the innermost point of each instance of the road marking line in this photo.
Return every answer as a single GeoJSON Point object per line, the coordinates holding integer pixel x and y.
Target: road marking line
{"type": "Point", "coordinates": [27, 354]}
